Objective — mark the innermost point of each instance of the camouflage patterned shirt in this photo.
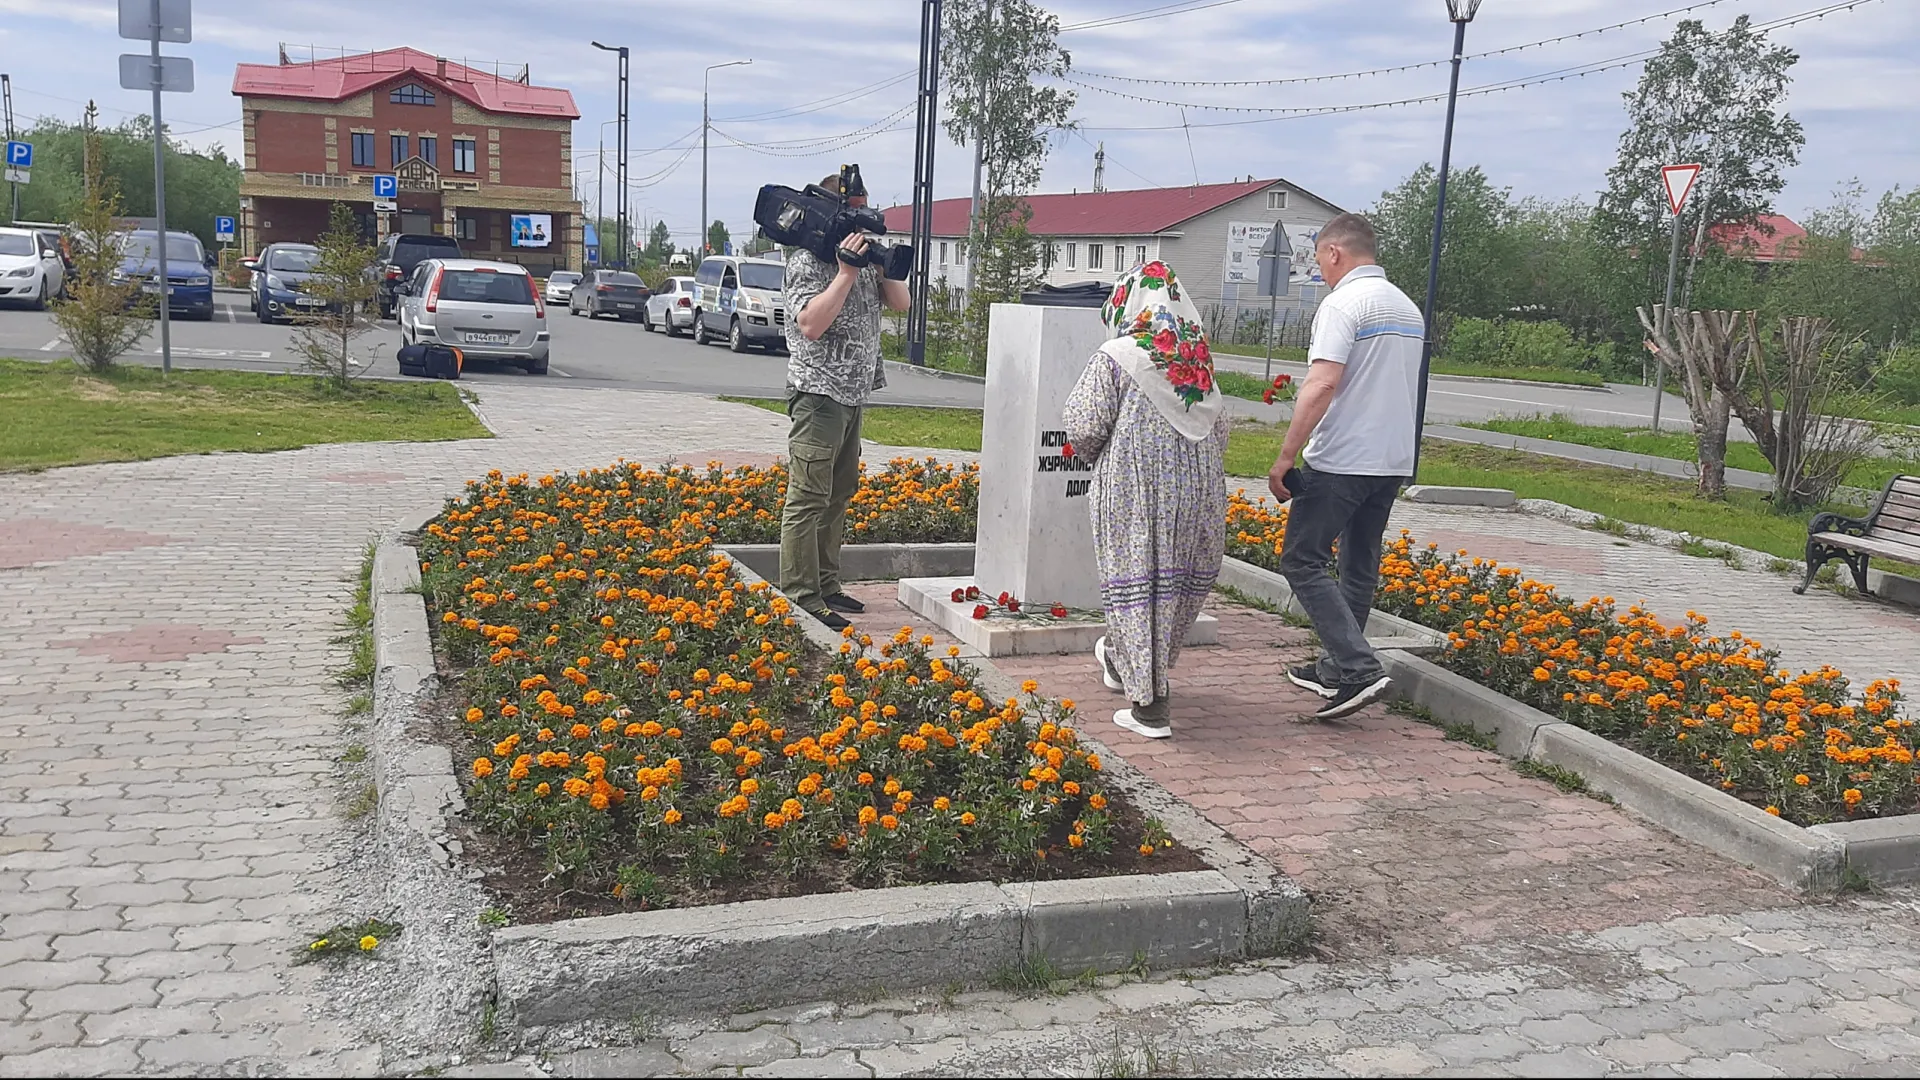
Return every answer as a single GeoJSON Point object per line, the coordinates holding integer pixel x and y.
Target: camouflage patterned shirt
{"type": "Point", "coordinates": [844, 364]}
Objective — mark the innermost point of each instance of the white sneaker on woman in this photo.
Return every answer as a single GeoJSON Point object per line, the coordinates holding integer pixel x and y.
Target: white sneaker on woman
{"type": "Point", "coordinates": [1107, 674]}
{"type": "Point", "coordinates": [1126, 719]}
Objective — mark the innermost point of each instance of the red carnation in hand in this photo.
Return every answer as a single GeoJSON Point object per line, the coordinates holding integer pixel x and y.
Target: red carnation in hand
{"type": "Point", "coordinates": [979, 611]}
{"type": "Point", "coordinates": [1268, 396]}
{"type": "Point", "coordinates": [1059, 611]}
{"type": "Point", "coordinates": [1066, 451]}
{"type": "Point", "coordinates": [959, 595]}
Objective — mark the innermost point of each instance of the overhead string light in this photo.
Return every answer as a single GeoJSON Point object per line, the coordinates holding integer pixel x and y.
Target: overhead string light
{"type": "Point", "coordinates": [1300, 80]}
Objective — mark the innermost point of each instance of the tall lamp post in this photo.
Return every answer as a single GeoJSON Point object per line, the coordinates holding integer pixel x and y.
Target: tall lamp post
{"type": "Point", "coordinates": [926, 134]}
{"type": "Point", "coordinates": [1461, 12]}
{"type": "Point", "coordinates": [620, 171]}
{"type": "Point", "coordinates": [600, 190]}
{"type": "Point", "coordinates": [705, 125]}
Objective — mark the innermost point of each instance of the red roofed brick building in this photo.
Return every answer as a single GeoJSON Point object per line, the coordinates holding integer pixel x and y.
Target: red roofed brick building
{"type": "Point", "coordinates": [471, 149]}
{"type": "Point", "coordinates": [1209, 233]}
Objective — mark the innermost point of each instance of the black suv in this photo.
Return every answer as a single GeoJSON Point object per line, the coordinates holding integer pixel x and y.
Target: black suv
{"type": "Point", "coordinates": [399, 254]}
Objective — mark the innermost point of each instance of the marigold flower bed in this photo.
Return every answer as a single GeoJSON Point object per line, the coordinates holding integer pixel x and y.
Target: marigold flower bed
{"type": "Point", "coordinates": [1716, 707]}
{"type": "Point", "coordinates": [649, 729]}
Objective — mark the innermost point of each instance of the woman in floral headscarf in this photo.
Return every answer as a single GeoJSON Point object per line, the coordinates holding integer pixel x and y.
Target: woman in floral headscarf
{"type": "Point", "coordinates": [1147, 413]}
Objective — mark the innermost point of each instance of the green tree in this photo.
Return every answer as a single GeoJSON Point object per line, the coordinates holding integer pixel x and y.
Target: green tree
{"type": "Point", "coordinates": [200, 185]}
{"type": "Point", "coordinates": [1478, 257]}
{"type": "Point", "coordinates": [1714, 99]}
{"type": "Point", "coordinates": [1000, 60]}
{"type": "Point", "coordinates": [102, 317]}
{"type": "Point", "coordinates": [659, 245]}
{"type": "Point", "coordinates": [717, 237]}
{"type": "Point", "coordinates": [324, 338]}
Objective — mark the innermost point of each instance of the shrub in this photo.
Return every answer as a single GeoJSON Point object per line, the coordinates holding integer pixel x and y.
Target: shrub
{"type": "Point", "coordinates": [1898, 375]}
{"type": "Point", "coordinates": [1515, 343]}
{"type": "Point", "coordinates": [1714, 707]}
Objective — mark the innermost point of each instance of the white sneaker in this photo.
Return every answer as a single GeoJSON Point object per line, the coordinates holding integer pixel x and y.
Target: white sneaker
{"type": "Point", "coordinates": [1106, 669]}
{"type": "Point", "coordinates": [1126, 719]}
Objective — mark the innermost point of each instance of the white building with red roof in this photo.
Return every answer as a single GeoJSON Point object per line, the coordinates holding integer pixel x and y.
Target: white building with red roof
{"type": "Point", "coordinates": [1210, 234]}
{"type": "Point", "coordinates": [480, 156]}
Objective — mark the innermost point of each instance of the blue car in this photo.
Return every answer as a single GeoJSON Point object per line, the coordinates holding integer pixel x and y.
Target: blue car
{"type": "Point", "coordinates": [278, 275]}
{"type": "Point", "coordinates": [189, 278]}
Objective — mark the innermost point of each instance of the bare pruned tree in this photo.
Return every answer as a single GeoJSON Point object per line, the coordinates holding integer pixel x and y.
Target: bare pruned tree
{"type": "Point", "coordinates": [1788, 405]}
{"type": "Point", "coordinates": [1710, 350]}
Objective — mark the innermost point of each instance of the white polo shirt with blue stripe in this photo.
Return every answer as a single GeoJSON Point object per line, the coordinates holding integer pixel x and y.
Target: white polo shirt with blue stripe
{"type": "Point", "coordinates": [1370, 326]}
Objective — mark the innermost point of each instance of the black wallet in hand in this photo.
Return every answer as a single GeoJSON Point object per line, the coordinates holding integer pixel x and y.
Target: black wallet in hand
{"type": "Point", "coordinates": [1292, 481]}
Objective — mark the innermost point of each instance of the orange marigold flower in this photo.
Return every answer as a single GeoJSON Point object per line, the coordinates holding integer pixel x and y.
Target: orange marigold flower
{"type": "Point", "coordinates": [483, 767]}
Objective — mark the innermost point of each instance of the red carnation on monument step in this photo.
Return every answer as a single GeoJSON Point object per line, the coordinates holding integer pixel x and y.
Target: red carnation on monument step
{"type": "Point", "coordinates": [1013, 603]}
{"type": "Point", "coordinates": [1059, 611]}
{"type": "Point", "coordinates": [973, 592]}
{"type": "Point", "coordinates": [959, 595]}
{"type": "Point", "coordinates": [979, 611]}
{"type": "Point", "coordinates": [1004, 597]}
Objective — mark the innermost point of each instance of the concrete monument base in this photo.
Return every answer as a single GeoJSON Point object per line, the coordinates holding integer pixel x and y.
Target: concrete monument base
{"type": "Point", "coordinates": [933, 598]}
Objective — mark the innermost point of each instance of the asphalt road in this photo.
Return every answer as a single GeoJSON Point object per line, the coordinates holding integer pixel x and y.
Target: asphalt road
{"type": "Point", "coordinates": [613, 354]}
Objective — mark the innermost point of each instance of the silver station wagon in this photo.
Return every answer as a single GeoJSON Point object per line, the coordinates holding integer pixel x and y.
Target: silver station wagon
{"type": "Point", "coordinates": [488, 310]}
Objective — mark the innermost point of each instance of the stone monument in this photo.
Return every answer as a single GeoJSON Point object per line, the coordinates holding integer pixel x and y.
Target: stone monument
{"type": "Point", "coordinates": [1034, 540]}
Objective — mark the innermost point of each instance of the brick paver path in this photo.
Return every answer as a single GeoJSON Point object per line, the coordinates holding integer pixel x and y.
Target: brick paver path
{"type": "Point", "coordinates": [171, 824]}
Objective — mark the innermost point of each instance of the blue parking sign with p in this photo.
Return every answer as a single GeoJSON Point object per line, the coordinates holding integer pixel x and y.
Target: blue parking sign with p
{"type": "Point", "coordinates": [223, 228]}
{"type": "Point", "coordinates": [386, 187]}
{"type": "Point", "coordinates": [19, 155]}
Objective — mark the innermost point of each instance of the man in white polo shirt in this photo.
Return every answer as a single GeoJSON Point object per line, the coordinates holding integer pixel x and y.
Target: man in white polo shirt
{"type": "Point", "coordinates": [1355, 419]}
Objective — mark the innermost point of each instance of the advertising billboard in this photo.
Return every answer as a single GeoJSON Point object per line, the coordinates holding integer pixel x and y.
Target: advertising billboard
{"type": "Point", "coordinates": [532, 230]}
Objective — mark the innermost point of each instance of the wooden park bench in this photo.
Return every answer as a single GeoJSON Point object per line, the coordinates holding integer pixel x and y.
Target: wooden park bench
{"type": "Point", "coordinates": [1890, 530]}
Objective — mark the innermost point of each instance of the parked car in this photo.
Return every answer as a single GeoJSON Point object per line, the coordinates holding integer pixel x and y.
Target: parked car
{"type": "Point", "coordinates": [32, 269]}
{"type": "Point", "coordinates": [741, 300]}
{"type": "Point", "coordinates": [399, 255]}
{"type": "Point", "coordinates": [560, 285]}
{"type": "Point", "coordinates": [488, 310]}
{"type": "Point", "coordinates": [671, 308]}
{"type": "Point", "coordinates": [277, 276]}
{"type": "Point", "coordinates": [619, 293]}
{"type": "Point", "coordinates": [189, 282]}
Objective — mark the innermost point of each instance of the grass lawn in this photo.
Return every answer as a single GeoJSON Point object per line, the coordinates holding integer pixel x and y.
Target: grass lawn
{"type": "Point", "coordinates": [1871, 474]}
{"type": "Point", "coordinates": [1440, 367]}
{"type": "Point", "coordinates": [55, 414]}
{"type": "Point", "coordinates": [1635, 498]}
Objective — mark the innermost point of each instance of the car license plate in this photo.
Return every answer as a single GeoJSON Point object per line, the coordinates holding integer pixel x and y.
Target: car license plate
{"type": "Point", "coordinates": [156, 289]}
{"type": "Point", "coordinates": [309, 301]}
{"type": "Point", "coordinates": [624, 307]}
{"type": "Point", "coordinates": [489, 339]}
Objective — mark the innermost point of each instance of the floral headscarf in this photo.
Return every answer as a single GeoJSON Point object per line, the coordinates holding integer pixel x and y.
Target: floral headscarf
{"type": "Point", "coordinates": [1163, 346]}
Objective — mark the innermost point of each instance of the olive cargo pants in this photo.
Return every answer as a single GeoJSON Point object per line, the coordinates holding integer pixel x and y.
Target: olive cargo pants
{"type": "Point", "coordinates": [823, 470]}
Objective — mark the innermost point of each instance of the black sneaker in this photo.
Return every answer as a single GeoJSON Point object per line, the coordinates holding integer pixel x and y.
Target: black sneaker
{"type": "Point", "coordinates": [842, 602]}
{"type": "Point", "coordinates": [1352, 697]}
{"type": "Point", "coordinates": [833, 619]}
{"type": "Point", "coordinates": [1307, 677]}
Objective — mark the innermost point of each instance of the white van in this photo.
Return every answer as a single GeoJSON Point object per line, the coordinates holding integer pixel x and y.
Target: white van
{"type": "Point", "coordinates": [740, 299]}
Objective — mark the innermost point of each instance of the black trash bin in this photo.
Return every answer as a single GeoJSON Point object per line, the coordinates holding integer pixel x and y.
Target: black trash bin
{"type": "Point", "coordinates": [1089, 294]}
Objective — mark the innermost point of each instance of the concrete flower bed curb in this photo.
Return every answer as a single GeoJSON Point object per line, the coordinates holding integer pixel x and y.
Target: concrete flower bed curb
{"type": "Point", "coordinates": [773, 952]}
{"type": "Point", "coordinates": [1883, 850]}
{"type": "Point", "coordinates": [1384, 631]}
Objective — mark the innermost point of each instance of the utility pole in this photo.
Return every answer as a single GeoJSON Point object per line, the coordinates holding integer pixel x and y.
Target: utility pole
{"type": "Point", "coordinates": [706, 125]}
{"type": "Point", "coordinates": [86, 149]}
{"type": "Point", "coordinates": [1100, 167]}
{"type": "Point", "coordinates": [926, 136]}
{"type": "Point", "coordinates": [6, 92]}
{"type": "Point", "coordinates": [620, 168]}
{"type": "Point", "coordinates": [979, 140]}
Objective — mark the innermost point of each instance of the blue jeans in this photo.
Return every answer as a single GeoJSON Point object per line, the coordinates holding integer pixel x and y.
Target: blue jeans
{"type": "Point", "coordinates": [1352, 510]}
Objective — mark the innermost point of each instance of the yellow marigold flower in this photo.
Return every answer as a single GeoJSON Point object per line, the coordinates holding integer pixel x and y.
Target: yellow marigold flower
{"type": "Point", "coordinates": [369, 943]}
{"type": "Point", "coordinates": [1803, 779]}
{"type": "Point", "coordinates": [968, 818]}
{"type": "Point", "coordinates": [318, 945]}
{"type": "Point", "coordinates": [483, 767]}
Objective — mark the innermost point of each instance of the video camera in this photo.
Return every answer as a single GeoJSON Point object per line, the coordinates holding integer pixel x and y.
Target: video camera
{"type": "Point", "coordinates": [818, 220]}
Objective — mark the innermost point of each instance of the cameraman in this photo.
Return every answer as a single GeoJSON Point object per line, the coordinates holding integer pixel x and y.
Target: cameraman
{"type": "Point", "coordinates": [834, 365]}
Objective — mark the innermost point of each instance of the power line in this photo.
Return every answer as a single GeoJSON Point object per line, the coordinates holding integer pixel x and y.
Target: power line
{"type": "Point", "coordinates": [1577, 71]}
{"type": "Point", "coordinates": [1400, 67]}
{"type": "Point", "coordinates": [786, 147]}
{"type": "Point", "coordinates": [674, 145]}
{"type": "Point", "coordinates": [819, 103]}
{"type": "Point", "coordinates": [1146, 13]}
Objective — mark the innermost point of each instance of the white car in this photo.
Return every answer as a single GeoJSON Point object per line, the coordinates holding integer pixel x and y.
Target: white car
{"type": "Point", "coordinates": [31, 270]}
{"type": "Point", "coordinates": [489, 310]}
{"type": "Point", "coordinates": [671, 309]}
{"type": "Point", "coordinates": [560, 285]}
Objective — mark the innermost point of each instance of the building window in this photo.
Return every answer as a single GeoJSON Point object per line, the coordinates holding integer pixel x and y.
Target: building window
{"type": "Point", "coordinates": [463, 155]}
{"type": "Point", "coordinates": [430, 150]}
{"type": "Point", "coordinates": [411, 94]}
{"type": "Point", "coordinates": [1046, 257]}
{"type": "Point", "coordinates": [363, 149]}
{"type": "Point", "coordinates": [1096, 255]}
{"type": "Point", "coordinates": [1139, 254]}
{"type": "Point", "coordinates": [399, 145]}
{"type": "Point", "coordinates": [466, 228]}
{"type": "Point", "coordinates": [943, 253]}
{"type": "Point", "coordinates": [1276, 200]}
{"type": "Point", "coordinates": [1070, 251]}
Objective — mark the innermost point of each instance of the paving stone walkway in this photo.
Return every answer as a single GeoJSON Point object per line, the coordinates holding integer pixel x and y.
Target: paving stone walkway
{"type": "Point", "coordinates": [173, 821]}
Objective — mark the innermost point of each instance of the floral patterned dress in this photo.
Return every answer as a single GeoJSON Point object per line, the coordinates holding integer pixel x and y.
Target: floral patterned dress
{"type": "Point", "coordinates": [1159, 507]}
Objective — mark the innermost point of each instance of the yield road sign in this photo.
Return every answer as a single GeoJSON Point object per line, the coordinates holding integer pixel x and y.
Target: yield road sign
{"type": "Point", "coordinates": [136, 73]}
{"type": "Point", "coordinates": [19, 154]}
{"type": "Point", "coordinates": [386, 187]}
{"type": "Point", "coordinates": [223, 229]}
{"type": "Point", "coordinates": [176, 20]}
{"type": "Point", "coordinates": [1679, 183]}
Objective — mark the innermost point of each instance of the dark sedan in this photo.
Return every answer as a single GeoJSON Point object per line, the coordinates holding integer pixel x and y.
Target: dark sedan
{"type": "Point", "coordinates": [620, 293]}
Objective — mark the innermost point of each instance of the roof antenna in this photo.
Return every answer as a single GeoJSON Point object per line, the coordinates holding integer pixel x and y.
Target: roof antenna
{"type": "Point", "coordinates": [1190, 158]}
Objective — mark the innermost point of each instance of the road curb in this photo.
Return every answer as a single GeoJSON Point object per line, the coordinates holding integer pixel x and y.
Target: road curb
{"type": "Point", "coordinates": [1883, 851]}
{"type": "Point", "coordinates": [938, 373]}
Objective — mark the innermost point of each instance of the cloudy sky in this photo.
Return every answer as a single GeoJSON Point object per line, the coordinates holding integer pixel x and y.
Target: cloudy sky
{"type": "Point", "coordinates": [821, 71]}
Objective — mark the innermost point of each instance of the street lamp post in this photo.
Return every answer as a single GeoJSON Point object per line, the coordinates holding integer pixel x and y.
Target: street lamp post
{"type": "Point", "coordinates": [1461, 12]}
{"type": "Point", "coordinates": [600, 192]}
{"type": "Point", "coordinates": [620, 175]}
{"type": "Point", "coordinates": [705, 125]}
